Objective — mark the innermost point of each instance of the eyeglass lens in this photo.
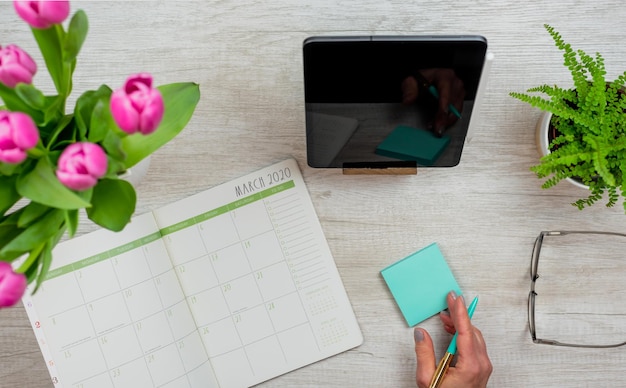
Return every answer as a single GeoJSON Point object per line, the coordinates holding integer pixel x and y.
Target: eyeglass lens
{"type": "Point", "coordinates": [579, 299]}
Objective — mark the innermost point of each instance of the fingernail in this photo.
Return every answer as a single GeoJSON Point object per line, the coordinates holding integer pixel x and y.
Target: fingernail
{"type": "Point", "coordinates": [419, 336]}
{"type": "Point", "coordinates": [453, 295]}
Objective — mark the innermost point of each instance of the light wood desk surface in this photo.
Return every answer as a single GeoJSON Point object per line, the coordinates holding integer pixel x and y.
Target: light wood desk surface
{"type": "Point", "coordinates": [485, 213]}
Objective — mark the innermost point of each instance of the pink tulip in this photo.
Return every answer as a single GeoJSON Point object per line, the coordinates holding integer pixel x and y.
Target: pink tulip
{"type": "Point", "coordinates": [81, 165]}
{"type": "Point", "coordinates": [16, 66]}
{"type": "Point", "coordinates": [18, 134]}
{"type": "Point", "coordinates": [12, 285]}
{"type": "Point", "coordinates": [137, 106]}
{"type": "Point", "coordinates": [42, 14]}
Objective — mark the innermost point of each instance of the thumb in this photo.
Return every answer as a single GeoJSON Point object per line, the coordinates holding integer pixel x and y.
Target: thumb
{"type": "Point", "coordinates": [425, 354]}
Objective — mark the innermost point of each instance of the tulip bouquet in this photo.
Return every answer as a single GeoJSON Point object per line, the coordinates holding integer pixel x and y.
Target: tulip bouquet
{"type": "Point", "coordinates": [54, 163]}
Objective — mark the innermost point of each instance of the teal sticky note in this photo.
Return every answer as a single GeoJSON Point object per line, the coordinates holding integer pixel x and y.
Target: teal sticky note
{"type": "Point", "coordinates": [420, 283]}
{"type": "Point", "coordinates": [413, 144]}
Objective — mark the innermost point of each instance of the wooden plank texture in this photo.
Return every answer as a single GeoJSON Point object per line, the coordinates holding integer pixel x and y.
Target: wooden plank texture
{"type": "Point", "coordinates": [484, 213]}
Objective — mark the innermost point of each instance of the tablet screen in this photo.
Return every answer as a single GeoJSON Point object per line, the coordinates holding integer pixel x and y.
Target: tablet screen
{"type": "Point", "coordinates": [372, 100]}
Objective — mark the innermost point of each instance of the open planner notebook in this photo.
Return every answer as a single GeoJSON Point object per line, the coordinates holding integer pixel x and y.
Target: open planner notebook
{"type": "Point", "coordinates": [227, 288]}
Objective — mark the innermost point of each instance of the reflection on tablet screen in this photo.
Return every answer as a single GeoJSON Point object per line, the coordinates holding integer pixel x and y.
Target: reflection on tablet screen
{"type": "Point", "coordinates": [361, 94]}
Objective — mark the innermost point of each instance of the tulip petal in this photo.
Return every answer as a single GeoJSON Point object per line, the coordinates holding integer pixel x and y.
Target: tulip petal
{"type": "Point", "coordinates": [7, 78]}
{"type": "Point", "coordinates": [17, 74]}
{"type": "Point", "coordinates": [24, 59]}
{"type": "Point", "coordinates": [12, 156]}
{"type": "Point", "coordinates": [95, 160]}
{"type": "Point", "coordinates": [42, 14]}
{"type": "Point", "coordinates": [137, 106]}
{"type": "Point", "coordinates": [77, 182]}
{"type": "Point", "coordinates": [81, 165]}
{"type": "Point", "coordinates": [29, 12]}
{"type": "Point", "coordinates": [18, 133]}
{"type": "Point", "coordinates": [125, 116]}
{"type": "Point", "coordinates": [12, 285]}
{"type": "Point", "coordinates": [152, 115]}
{"type": "Point", "coordinates": [25, 133]}
{"type": "Point", "coordinates": [54, 11]}
{"type": "Point", "coordinates": [134, 81]}
{"type": "Point", "coordinates": [16, 66]}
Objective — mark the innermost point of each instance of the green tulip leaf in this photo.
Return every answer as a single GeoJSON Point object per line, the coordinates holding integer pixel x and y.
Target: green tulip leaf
{"type": "Point", "coordinates": [31, 212]}
{"type": "Point", "coordinates": [76, 34]}
{"type": "Point", "coordinates": [14, 103]}
{"type": "Point", "coordinates": [71, 220]}
{"type": "Point", "coordinates": [53, 109]}
{"type": "Point", "coordinates": [92, 114]}
{"type": "Point", "coordinates": [180, 100]}
{"type": "Point", "coordinates": [8, 194]}
{"type": "Point", "coordinates": [49, 41]}
{"type": "Point", "coordinates": [8, 233]}
{"type": "Point", "coordinates": [112, 144]}
{"type": "Point", "coordinates": [11, 219]}
{"type": "Point", "coordinates": [41, 185]}
{"type": "Point", "coordinates": [30, 266]}
{"type": "Point", "coordinates": [31, 95]}
{"type": "Point", "coordinates": [82, 110]}
{"type": "Point", "coordinates": [113, 204]}
{"type": "Point", "coordinates": [46, 257]}
{"type": "Point", "coordinates": [39, 231]}
{"type": "Point", "coordinates": [102, 123]}
{"type": "Point", "coordinates": [8, 169]}
{"type": "Point", "coordinates": [64, 128]}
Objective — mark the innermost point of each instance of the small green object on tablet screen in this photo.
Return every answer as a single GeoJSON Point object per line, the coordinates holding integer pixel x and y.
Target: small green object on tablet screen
{"type": "Point", "coordinates": [408, 143]}
{"type": "Point", "coordinates": [420, 283]}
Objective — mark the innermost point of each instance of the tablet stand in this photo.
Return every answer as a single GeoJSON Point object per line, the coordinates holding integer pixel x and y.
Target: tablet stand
{"type": "Point", "coordinates": [381, 171]}
{"type": "Point", "coordinates": [380, 168]}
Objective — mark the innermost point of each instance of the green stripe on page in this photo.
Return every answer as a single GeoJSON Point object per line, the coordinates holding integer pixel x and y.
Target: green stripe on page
{"type": "Point", "coordinates": [168, 230]}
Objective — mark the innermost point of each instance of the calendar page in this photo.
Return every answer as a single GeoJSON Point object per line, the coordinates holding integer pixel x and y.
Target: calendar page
{"type": "Point", "coordinates": [227, 288]}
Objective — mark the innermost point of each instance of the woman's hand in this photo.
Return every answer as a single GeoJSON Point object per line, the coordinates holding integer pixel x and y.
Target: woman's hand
{"type": "Point", "coordinates": [473, 366]}
{"type": "Point", "coordinates": [451, 91]}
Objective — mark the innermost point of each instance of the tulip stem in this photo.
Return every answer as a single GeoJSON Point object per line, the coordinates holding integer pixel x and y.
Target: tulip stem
{"type": "Point", "coordinates": [32, 257]}
{"type": "Point", "coordinates": [66, 119]}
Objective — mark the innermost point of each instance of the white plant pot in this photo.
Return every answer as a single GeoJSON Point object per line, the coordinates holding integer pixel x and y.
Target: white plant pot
{"type": "Point", "coordinates": [543, 143]}
{"type": "Point", "coordinates": [136, 173]}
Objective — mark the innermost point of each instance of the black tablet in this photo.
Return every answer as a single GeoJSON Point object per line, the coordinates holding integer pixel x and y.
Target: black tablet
{"type": "Point", "coordinates": [390, 100]}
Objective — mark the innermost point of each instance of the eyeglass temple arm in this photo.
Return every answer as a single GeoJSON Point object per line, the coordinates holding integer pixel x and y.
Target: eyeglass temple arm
{"type": "Point", "coordinates": [566, 232]}
{"type": "Point", "coordinates": [557, 343]}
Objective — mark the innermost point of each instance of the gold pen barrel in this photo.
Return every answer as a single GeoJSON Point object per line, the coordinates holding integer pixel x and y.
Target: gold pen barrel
{"type": "Point", "coordinates": [443, 366]}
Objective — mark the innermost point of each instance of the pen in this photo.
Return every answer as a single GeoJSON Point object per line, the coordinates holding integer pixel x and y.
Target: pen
{"type": "Point", "coordinates": [444, 364]}
{"type": "Point", "coordinates": [434, 92]}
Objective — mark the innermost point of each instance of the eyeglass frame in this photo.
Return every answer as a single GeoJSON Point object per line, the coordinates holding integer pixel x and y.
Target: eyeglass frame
{"type": "Point", "coordinates": [534, 264]}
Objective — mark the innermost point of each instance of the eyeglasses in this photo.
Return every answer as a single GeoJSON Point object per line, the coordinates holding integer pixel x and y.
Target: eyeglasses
{"type": "Point", "coordinates": [534, 263]}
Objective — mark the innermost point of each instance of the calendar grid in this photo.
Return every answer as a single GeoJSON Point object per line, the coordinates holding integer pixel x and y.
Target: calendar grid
{"type": "Point", "coordinates": [101, 335]}
{"type": "Point", "coordinates": [234, 314]}
{"type": "Point", "coordinates": [169, 323]}
{"type": "Point", "coordinates": [77, 274]}
{"type": "Point", "coordinates": [245, 282]}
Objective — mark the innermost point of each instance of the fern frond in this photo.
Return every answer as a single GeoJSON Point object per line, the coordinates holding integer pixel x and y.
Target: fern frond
{"type": "Point", "coordinates": [590, 122]}
{"type": "Point", "coordinates": [613, 197]}
{"type": "Point", "coordinates": [619, 82]}
{"type": "Point", "coordinates": [594, 196]}
{"type": "Point", "coordinates": [570, 61]}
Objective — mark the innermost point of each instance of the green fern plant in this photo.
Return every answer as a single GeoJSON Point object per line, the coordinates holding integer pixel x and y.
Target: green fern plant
{"type": "Point", "coordinates": [590, 122]}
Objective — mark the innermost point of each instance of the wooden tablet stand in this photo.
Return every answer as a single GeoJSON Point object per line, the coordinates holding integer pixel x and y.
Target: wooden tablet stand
{"type": "Point", "coordinates": [380, 168]}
